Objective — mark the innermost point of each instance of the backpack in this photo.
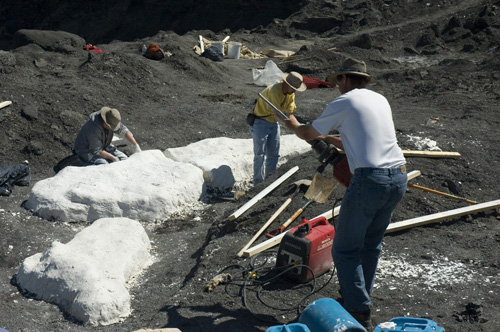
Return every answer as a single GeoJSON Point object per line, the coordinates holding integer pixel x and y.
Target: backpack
{"type": "Point", "coordinates": [154, 52]}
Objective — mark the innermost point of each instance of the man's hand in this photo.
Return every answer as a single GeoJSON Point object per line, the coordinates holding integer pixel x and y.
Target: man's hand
{"type": "Point", "coordinates": [137, 149]}
{"type": "Point", "coordinates": [115, 159]}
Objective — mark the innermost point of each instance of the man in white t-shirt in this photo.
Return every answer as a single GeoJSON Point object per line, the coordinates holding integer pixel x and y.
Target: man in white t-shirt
{"type": "Point", "coordinates": [367, 135]}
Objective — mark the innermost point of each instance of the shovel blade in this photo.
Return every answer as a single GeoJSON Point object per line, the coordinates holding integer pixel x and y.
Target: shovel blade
{"type": "Point", "coordinates": [321, 187]}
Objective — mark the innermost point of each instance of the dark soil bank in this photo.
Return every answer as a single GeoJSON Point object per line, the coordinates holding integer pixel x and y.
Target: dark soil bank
{"type": "Point", "coordinates": [437, 62]}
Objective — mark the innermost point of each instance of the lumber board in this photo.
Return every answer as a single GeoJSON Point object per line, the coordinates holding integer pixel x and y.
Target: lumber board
{"type": "Point", "coordinates": [263, 193]}
{"type": "Point", "coordinates": [330, 214]}
{"type": "Point", "coordinates": [277, 239]}
{"type": "Point", "coordinates": [269, 243]}
{"type": "Point", "coordinates": [202, 46]}
{"type": "Point", "coordinates": [5, 104]}
{"type": "Point", "coordinates": [263, 228]}
{"type": "Point", "coordinates": [437, 217]}
{"type": "Point", "coordinates": [393, 227]}
{"type": "Point", "coordinates": [425, 153]}
{"type": "Point", "coordinates": [430, 154]}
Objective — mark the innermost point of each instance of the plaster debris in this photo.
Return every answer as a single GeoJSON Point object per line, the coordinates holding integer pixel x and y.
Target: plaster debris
{"type": "Point", "coordinates": [424, 143]}
{"type": "Point", "coordinates": [397, 273]}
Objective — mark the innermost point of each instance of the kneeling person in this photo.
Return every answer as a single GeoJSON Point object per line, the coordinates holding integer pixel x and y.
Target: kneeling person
{"type": "Point", "coordinates": [93, 142]}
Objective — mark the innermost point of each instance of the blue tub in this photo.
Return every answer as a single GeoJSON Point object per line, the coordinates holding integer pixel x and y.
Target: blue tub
{"type": "Point", "coordinates": [407, 324]}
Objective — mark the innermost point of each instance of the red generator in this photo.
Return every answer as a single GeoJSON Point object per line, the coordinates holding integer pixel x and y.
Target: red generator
{"type": "Point", "coordinates": [309, 243]}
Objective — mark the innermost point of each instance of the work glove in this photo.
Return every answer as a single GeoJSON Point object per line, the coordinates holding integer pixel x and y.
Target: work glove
{"type": "Point", "coordinates": [137, 149]}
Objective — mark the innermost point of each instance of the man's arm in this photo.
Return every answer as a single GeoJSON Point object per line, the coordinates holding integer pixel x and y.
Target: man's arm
{"type": "Point", "coordinates": [335, 141]}
{"type": "Point", "coordinates": [309, 133]}
{"type": "Point", "coordinates": [303, 131]}
{"type": "Point", "coordinates": [105, 154]}
{"type": "Point", "coordinates": [130, 137]}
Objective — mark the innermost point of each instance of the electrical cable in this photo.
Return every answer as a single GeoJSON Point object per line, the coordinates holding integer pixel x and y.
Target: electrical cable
{"type": "Point", "coordinates": [258, 275]}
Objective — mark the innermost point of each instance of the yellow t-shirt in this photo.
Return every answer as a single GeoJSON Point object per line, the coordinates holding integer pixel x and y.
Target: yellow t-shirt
{"type": "Point", "coordinates": [274, 93]}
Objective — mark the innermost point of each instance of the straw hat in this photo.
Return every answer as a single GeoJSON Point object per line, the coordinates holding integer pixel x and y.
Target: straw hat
{"type": "Point", "coordinates": [111, 117]}
{"type": "Point", "coordinates": [294, 80]}
{"type": "Point", "coordinates": [352, 67]}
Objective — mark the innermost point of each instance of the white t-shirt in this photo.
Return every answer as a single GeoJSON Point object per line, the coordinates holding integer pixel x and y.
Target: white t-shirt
{"type": "Point", "coordinates": [364, 121]}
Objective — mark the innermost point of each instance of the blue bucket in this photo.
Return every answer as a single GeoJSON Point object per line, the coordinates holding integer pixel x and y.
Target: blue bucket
{"type": "Point", "coordinates": [325, 315]}
{"type": "Point", "coordinates": [294, 327]}
{"type": "Point", "coordinates": [3, 330]}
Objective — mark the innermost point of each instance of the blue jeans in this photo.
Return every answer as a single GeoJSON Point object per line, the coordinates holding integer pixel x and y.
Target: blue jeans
{"type": "Point", "coordinates": [266, 148]}
{"type": "Point", "coordinates": [98, 160]}
{"type": "Point", "coordinates": [365, 213]}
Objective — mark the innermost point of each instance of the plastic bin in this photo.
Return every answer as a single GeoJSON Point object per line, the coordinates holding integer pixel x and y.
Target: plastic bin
{"type": "Point", "coordinates": [233, 50]}
{"type": "Point", "coordinates": [294, 327]}
{"type": "Point", "coordinates": [407, 324]}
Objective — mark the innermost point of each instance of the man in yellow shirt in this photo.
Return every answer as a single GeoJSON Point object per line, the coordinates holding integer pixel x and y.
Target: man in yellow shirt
{"type": "Point", "coordinates": [265, 129]}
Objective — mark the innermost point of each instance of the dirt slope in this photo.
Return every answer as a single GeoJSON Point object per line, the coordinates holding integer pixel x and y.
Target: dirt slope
{"type": "Point", "coordinates": [437, 62]}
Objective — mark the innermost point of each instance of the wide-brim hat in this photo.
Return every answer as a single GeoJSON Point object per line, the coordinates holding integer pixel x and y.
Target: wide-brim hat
{"type": "Point", "coordinates": [111, 117]}
{"type": "Point", "coordinates": [294, 80]}
{"type": "Point", "coordinates": [351, 67]}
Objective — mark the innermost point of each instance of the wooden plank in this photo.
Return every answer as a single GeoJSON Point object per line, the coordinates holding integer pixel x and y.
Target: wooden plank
{"type": "Point", "coordinates": [328, 215]}
{"type": "Point", "coordinates": [430, 154]}
{"type": "Point", "coordinates": [266, 225]}
{"type": "Point", "coordinates": [413, 174]}
{"type": "Point", "coordinates": [416, 186]}
{"type": "Point", "coordinates": [5, 104]}
{"type": "Point", "coordinates": [269, 243]}
{"type": "Point", "coordinates": [397, 226]}
{"type": "Point", "coordinates": [263, 193]}
{"type": "Point", "coordinates": [436, 217]}
{"type": "Point", "coordinates": [277, 239]}
{"type": "Point", "coordinates": [427, 154]}
{"type": "Point", "coordinates": [202, 46]}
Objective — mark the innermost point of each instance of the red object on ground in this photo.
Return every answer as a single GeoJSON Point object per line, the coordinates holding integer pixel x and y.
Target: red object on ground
{"type": "Point", "coordinates": [313, 83]}
{"type": "Point", "coordinates": [309, 243]}
{"type": "Point", "coordinates": [92, 48]}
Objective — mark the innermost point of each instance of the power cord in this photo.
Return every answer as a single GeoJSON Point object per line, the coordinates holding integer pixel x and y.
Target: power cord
{"type": "Point", "coordinates": [259, 275]}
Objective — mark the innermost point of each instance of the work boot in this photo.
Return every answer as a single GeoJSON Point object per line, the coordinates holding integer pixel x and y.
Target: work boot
{"type": "Point", "coordinates": [364, 318]}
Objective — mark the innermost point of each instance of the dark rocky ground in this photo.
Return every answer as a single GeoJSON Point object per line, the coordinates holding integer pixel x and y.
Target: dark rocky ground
{"type": "Point", "coordinates": [435, 59]}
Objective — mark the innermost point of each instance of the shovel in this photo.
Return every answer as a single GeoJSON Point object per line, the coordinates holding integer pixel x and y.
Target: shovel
{"type": "Point", "coordinates": [319, 190]}
{"type": "Point", "coordinates": [295, 188]}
